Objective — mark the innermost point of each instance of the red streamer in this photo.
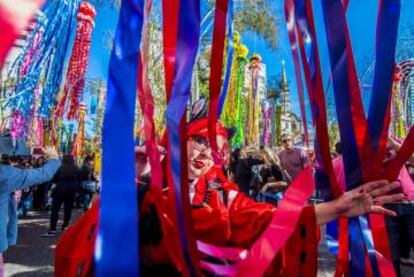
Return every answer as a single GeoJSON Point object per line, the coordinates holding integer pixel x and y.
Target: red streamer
{"type": "Point", "coordinates": [75, 77]}
{"type": "Point", "coordinates": [170, 26]}
{"type": "Point", "coordinates": [216, 70]}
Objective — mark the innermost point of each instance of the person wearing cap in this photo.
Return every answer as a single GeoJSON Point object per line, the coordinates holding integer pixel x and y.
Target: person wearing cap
{"type": "Point", "coordinates": [12, 179]}
{"type": "Point", "coordinates": [221, 216]}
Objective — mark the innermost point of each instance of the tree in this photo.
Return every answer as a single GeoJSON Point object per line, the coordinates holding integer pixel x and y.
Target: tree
{"type": "Point", "coordinates": [258, 17]}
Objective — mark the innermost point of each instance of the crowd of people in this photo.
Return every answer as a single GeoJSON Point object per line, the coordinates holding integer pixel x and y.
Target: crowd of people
{"type": "Point", "coordinates": [42, 182]}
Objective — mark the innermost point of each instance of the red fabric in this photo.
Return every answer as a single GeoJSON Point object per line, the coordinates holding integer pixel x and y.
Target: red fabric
{"type": "Point", "coordinates": [239, 222]}
{"type": "Point", "coordinates": [74, 253]}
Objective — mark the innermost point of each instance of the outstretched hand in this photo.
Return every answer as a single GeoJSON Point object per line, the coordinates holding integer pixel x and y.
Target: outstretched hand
{"type": "Point", "coordinates": [365, 199]}
{"type": "Point", "coordinates": [368, 198]}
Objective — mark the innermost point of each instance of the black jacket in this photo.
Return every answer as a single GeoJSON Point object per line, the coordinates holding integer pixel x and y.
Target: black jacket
{"type": "Point", "coordinates": [67, 180]}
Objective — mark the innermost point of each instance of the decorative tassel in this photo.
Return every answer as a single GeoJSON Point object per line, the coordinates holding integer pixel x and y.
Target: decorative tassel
{"type": "Point", "coordinates": [266, 123]}
{"type": "Point", "coordinates": [17, 125]}
{"type": "Point", "coordinates": [253, 101]}
{"type": "Point", "coordinates": [228, 117]}
{"type": "Point", "coordinates": [77, 150]}
{"type": "Point", "coordinates": [39, 132]}
{"type": "Point", "coordinates": [239, 138]}
{"type": "Point", "coordinates": [398, 117]}
{"type": "Point", "coordinates": [278, 125]}
{"type": "Point", "coordinates": [75, 77]}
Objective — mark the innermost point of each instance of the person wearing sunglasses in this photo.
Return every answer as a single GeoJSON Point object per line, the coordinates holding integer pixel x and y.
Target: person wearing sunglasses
{"type": "Point", "coordinates": [293, 159]}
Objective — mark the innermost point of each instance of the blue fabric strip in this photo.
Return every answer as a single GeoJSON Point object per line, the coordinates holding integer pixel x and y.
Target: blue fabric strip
{"type": "Point", "coordinates": [335, 31]}
{"type": "Point", "coordinates": [116, 252]}
{"type": "Point", "coordinates": [187, 44]}
{"type": "Point", "coordinates": [335, 21]}
{"type": "Point", "coordinates": [356, 243]}
{"type": "Point", "coordinates": [369, 242]}
{"type": "Point", "coordinates": [386, 41]}
{"type": "Point", "coordinates": [332, 237]}
{"type": "Point", "coordinates": [230, 51]}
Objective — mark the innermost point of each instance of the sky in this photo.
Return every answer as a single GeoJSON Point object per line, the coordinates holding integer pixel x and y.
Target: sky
{"type": "Point", "coordinates": [361, 16]}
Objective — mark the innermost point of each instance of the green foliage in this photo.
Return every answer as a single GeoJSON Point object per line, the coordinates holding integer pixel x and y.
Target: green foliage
{"type": "Point", "coordinates": [258, 17]}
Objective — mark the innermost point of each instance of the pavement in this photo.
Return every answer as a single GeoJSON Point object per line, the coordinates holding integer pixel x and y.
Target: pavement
{"type": "Point", "coordinates": [33, 256]}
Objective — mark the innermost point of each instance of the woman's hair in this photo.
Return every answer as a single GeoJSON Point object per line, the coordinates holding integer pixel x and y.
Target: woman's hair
{"type": "Point", "coordinates": [68, 160]}
{"type": "Point", "coordinates": [268, 156]}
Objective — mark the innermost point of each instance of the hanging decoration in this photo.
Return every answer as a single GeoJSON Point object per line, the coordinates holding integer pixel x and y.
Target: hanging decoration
{"type": "Point", "coordinates": [228, 115]}
{"type": "Point", "coordinates": [41, 63]}
{"type": "Point", "coordinates": [278, 125]}
{"type": "Point", "coordinates": [240, 98]}
{"type": "Point", "coordinates": [47, 132]}
{"type": "Point", "coordinates": [398, 117]}
{"type": "Point", "coordinates": [255, 77]}
{"type": "Point", "coordinates": [38, 132]}
{"type": "Point", "coordinates": [77, 150]}
{"type": "Point", "coordinates": [17, 125]}
{"type": "Point", "coordinates": [266, 111]}
{"type": "Point", "coordinates": [75, 77]}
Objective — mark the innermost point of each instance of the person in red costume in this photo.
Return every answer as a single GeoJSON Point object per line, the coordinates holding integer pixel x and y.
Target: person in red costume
{"type": "Point", "coordinates": [221, 216]}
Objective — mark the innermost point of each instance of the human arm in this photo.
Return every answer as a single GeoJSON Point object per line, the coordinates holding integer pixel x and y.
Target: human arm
{"type": "Point", "coordinates": [365, 199]}
{"type": "Point", "coordinates": [13, 178]}
{"type": "Point", "coordinates": [279, 186]}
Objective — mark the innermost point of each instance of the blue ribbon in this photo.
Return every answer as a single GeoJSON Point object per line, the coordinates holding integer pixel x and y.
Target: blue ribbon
{"type": "Point", "coordinates": [385, 46]}
{"type": "Point", "coordinates": [230, 51]}
{"type": "Point", "coordinates": [357, 248]}
{"type": "Point", "coordinates": [386, 42]}
{"type": "Point", "coordinates": [188, 34]}
{"type": "Point", "coordinates": [335, 29]}
{"type": "Point", "coordinates": [116, 252]}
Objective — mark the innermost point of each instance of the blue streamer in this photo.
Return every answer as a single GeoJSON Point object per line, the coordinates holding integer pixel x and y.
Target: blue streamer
{"type": "Point", "coordinates": [187, 44]}
{"type": "Point", "coordinates": [116, 252]}
{"type": "Point", "coordinates": [230, 51]}
{"type": "Point", "coordinates": [335, 30]}
{"type": "Point", "coordinates": [386, 42]}
{"type": "Point", "coordinates": [369, 242]}
{"type": "Point", "coordinates": [385, 46]}
{"type": "Point", "coordinates": [332, 237]}
{"type": "Point", "coordinates": [356, 243]}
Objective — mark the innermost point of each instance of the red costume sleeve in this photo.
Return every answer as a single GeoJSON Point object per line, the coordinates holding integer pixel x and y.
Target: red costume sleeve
{"type": "Point", "coordinates": [74, 253]}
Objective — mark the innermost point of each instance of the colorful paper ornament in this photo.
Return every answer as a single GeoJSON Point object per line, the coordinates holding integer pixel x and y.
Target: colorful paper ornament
{"type": "Point", "coordinates": [266, 111]}
{"type": "Point", "coordinates": [77, 150]}
{"type": "Point", "coordinates": [75, 77]}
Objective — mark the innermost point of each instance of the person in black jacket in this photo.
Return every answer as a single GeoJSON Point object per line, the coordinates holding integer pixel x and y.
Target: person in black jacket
{"type": "Point", "coordinates": [67, 182]}
{"type": "Point", "coordinates": [88, 184]}
{"type": "Point", "coordinates": [243, 175]}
